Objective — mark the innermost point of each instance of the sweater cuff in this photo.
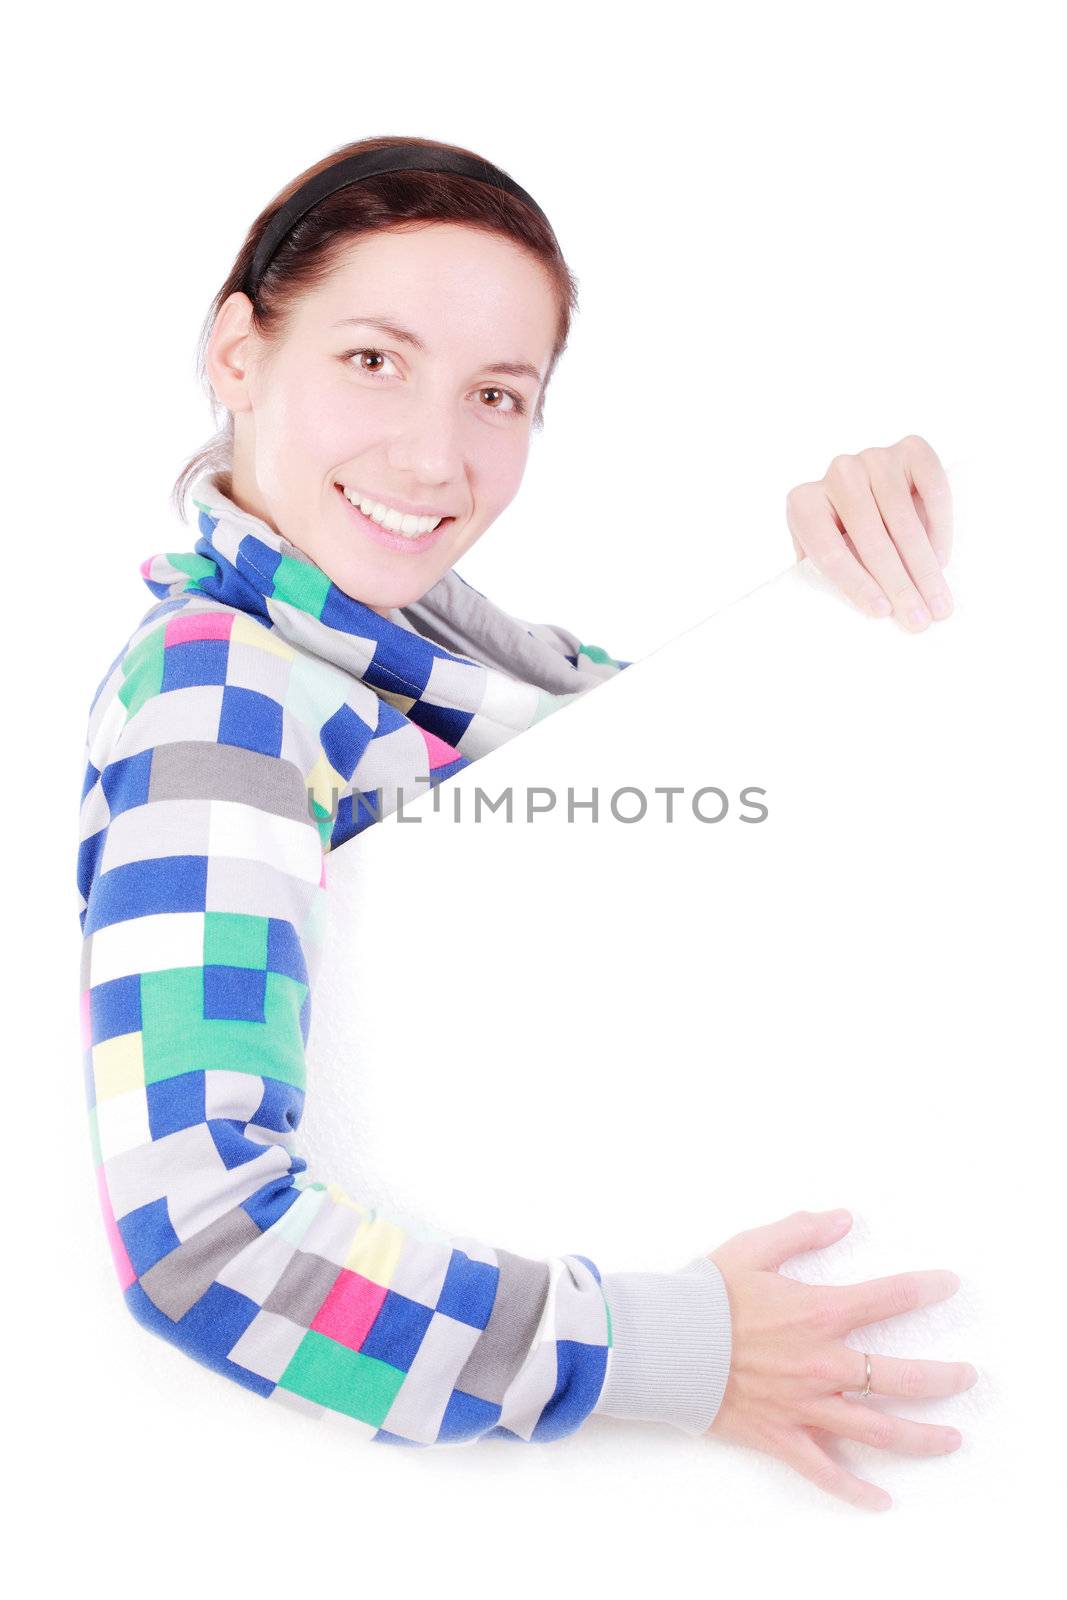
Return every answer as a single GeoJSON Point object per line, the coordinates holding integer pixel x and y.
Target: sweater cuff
{"type": "Point", "coordinates": [669, 1358]}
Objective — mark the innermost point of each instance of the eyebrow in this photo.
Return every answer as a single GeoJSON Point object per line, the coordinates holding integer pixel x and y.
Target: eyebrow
{"type": "Point", "coordinates": [514, 369]}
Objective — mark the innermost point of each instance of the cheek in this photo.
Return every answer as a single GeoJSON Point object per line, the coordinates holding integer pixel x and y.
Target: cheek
{"type": "Point", "coordinates": [500, 472]}
{"type": "Point", "coordinates": [312, 421]}
{"type": "Point", "coordinates": [496, 478]}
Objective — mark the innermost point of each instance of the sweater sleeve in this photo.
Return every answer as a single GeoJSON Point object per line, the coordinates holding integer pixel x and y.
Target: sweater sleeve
{"type": "Point", "coordinates": [201, 879]}
{"type": "Point", "coordinates": [671, 1346]}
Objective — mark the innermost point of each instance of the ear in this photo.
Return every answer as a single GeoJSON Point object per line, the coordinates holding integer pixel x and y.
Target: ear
{"type": "Point", "coordinates": [226, 357]}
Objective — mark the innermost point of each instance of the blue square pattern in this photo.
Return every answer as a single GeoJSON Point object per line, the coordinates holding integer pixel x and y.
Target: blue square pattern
{"type": "Point", "coordinates": [175, 1103]}
{"type": "Point", "coordinates": [256, 561]}
{"type": "Point", "coordinates": [281, 1107]}
{"type": "Point", "coordinates": [447, 722]}
{"type": "Point", "coordinates": [397, 1331]}
{"type": "Point", "coordinates": [125, 782]}
{"type": "Point", "coordinates": [466, 1416]}
{"type": "Point", "coordinates": [147, 887]}
{"type": "Point", "coordinates": [285, 953]}
{"type": "Point", "coordinates": [115, 1007]}
{"type": "Point", "coordinates": [88, 859]}
{"type": "Point", "coordinates": [147, 1234]}
{"type": "Point", "coordinates": [469, 1290]}
{"type": "Point", "coordinates": [193, 663]}
{"type": "Point", "coordinates": [273, 1200]}
{"type": "Point", "coordinates": [235, 994]}
{"type": "Point", "coordinates": [250, 720]}
{"type": "Point", "coordinates": [345, 736]}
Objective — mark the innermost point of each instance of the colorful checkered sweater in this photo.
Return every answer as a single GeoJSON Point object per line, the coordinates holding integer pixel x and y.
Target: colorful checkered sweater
{"type": "Point", "coordinates": [257, 719]}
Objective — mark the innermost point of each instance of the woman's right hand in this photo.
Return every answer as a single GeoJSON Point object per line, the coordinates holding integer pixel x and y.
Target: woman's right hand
{"type": "Point", "coordinates": [790, 1366]}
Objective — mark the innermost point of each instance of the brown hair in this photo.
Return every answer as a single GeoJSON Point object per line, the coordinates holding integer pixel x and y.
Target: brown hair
{"type": "Point", "coordinates": [311, 250]}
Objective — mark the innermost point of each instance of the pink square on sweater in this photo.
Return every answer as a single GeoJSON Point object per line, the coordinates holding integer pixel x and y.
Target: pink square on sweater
{"type": "Point", "coordinates": [440, 753]}
{"type": "Point", "coordinates": [123, 1264]}
{"type": "Point", "coordinates": [202, 625]}
{"type": "Point", "coordinates": [349, 1309]}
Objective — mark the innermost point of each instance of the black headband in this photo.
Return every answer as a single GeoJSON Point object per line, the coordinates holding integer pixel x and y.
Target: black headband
{"type": "Point", "coordinates": [368, 164]}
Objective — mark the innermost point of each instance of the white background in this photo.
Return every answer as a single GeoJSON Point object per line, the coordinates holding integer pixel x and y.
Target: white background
{"type": "Point", "coordinates": [798, 231]}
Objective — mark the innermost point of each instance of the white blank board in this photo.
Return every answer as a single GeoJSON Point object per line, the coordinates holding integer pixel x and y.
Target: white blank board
{"type": "Point", "coordinates": [632, 1040]}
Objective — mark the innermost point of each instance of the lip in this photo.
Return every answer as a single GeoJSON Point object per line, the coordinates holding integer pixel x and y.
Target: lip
{"type": "Point", "coordinates": [395, 541]}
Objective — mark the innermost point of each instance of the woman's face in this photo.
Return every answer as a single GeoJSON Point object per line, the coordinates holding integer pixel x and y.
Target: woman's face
{"type": "Point", "coordinates": [439, 426]}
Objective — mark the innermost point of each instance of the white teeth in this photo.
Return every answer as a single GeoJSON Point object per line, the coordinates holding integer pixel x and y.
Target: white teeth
{"type": "Point", "coordinates": [393, 521]}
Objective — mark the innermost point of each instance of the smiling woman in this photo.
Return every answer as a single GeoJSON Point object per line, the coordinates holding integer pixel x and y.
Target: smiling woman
{"type": "Point", "coordinates": [460, 291]}
{"type": "Point", "coordinates": [315, 647]}
{"type": "Point", "coordinates": [419, 425]}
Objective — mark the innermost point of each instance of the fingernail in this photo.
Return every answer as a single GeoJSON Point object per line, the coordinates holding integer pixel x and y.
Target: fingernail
{"type": "Point", "coordinates": [841, 1219]}
{"type": "Point", "coordinates": [953, 1439]}
{"type": "Point", "coordinates": [941, 606]}
{"type": "Point", "coordinates": [880, 606]}
{"type": "Point", "coordinates": [919, 618]}
{"type": "Point", "coordinates": [973, 1379]}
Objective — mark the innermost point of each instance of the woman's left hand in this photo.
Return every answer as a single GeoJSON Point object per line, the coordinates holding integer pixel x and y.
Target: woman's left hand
{"type": "Point", "coordinates": [879, 526]}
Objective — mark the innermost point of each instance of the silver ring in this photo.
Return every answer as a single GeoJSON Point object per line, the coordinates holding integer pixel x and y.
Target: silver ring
{"type": "Point", "coordinates": [865, 1392]}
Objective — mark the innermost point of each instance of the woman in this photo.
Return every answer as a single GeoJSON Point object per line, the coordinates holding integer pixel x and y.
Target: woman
{"type": "Point", "coordinates": [382, 347]}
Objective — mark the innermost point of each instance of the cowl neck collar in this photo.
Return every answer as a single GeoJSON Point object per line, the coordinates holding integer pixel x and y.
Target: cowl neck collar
{"type": "Point", "coordinates": [452, 661]}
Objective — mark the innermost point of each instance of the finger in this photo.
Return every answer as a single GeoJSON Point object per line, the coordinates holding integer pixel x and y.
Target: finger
{"type": "Point", "coordinates": [849, 488]}
{"type": "Point", "coordinates": [847, 1419]}
{"type": "Point", "coordinates": [891, 488]}
{"type": "Point", "coordinates": [902, 1377]}
{"type": "Point", "coordinates": [929, 482]}
{"type": "Point", "coordinates": [853, 1305]}
{"type": "Point", "coordinates": [815, 533]}
{"type": "Point", "coordinates": [776, 1242]}
{"type": "Point", "coordinates": [802, 1452]}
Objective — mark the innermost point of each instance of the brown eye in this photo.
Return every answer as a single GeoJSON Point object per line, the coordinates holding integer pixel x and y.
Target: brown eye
{"type": "Point", "coordinates": [377, 355]}
{"type": "Point", "coordinates": [515, 406]}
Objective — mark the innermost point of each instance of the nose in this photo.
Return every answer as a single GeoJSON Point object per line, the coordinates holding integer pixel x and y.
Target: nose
{"type": "Point", "coordinates": [427, 446]}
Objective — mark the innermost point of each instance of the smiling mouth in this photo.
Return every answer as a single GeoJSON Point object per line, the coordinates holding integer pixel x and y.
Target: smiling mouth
{"type": "Point", "coordinates": [392, 537]}
{"type": "Point", "coordinates": [371, 506]}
